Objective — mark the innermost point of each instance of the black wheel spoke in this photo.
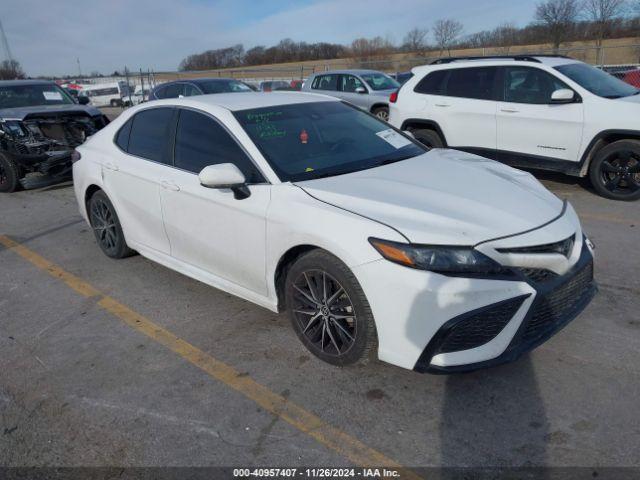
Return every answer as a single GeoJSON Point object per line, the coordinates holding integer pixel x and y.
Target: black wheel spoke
{"type": "Point", "coordinates": [333, 340]}
{"type": "Point", "coordinates": [608, 167]}
{"type": "Point", "coordinates": [613, 183]}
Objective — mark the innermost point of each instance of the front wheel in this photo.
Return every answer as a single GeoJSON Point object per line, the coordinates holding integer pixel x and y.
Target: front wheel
{"type": "Point", "coordinates": [615, 170]}
{"type": "Point", "coordinates": [106, 227]}
{"type": "Point", "coordinates": [10, 175]}
{"type": "Point", "coordinates": [329, 311]}
{"type": "Point", "coordinates": [382, 113]}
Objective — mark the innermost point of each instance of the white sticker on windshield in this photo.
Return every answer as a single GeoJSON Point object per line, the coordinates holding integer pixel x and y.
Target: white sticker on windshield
{"type": "Point", "coordinates": [52, 95]}
{"type": "Point", "coordinates": [393, 138]}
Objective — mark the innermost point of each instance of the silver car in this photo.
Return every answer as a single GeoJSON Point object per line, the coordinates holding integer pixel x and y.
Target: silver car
{"type": "Point", "coordinates": [366, 89]}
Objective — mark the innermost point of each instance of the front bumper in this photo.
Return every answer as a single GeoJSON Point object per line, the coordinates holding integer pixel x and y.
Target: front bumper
{"type": "Point", "coordinates": [435, 323]}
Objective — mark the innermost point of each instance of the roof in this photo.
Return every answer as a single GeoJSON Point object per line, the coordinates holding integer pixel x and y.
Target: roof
{"type": "Point", "coordinates": [245, 100]}
{"type": "Point", "coordinates": [198, 80]}
{"type": "Point", "coordinates": [550, 61]}
{"type": "Point", "coordinates": [13, 83]}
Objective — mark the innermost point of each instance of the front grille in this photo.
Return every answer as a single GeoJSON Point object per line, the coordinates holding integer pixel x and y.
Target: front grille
{"type": "Point", "coordinates": [554, 306]}
{"type": "Point", "coordinates": [563, 247]}
{"type": "Point", "coordinates": [538, 275]}
{"type": "Point", "coordinates": [481, 326]}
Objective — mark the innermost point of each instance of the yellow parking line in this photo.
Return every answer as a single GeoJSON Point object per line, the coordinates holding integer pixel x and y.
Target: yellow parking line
{"type": "Point", "coordinates": [305, 421]}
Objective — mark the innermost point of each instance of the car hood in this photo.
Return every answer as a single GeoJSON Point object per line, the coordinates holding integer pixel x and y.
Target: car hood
{"type": "Point", "coordinates": [20, 113]}
{"type": "Point", "coordinates": [630, 99]}
{"type": "Point", "coordinates": [443, 197]}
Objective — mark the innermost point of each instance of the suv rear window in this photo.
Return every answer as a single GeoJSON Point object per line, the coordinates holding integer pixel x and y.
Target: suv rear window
{"type": "Point", "coordinates": [477, 83]}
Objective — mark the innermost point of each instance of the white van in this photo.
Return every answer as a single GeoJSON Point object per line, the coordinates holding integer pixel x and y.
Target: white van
{"type": "Point", "coordinates": [106, 94]}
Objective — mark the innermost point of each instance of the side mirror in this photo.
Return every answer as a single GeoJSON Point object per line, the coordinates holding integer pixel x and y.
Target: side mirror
{"type": "Point", "coordinates": [82, 100]}
{"type": "Point", "coordinates": [225, 175]}
{"type": "Point", "coordinates": [361, 90]}
{"type": "Point", "coordinates": [563, 95]}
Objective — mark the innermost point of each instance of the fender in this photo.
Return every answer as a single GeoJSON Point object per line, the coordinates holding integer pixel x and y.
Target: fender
{"type": "Point", "coordinates": [598, 141]}
{"type": "Point", "coordinates": [433, 125]}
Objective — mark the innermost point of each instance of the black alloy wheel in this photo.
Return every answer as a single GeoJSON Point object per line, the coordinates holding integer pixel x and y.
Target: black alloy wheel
{"type": "Point", "coordinates": [329, 310]}
{"type": "Point", "coordinates": [616, 170]}
{"type": "Point", "coordinates": [324, 312]}
{"type": "Point", "coordinates": [106, 227]}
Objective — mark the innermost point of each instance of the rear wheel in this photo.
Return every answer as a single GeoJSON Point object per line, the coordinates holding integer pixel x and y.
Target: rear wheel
{"type": "Point", "coordinates": [10, 175]}
{"type": "Point", "coordinates": [428, 137]}
{"type": "Point", "coordinates": [615, 170]}
{"type": "Point", "coordinates": [106, 227]}
{"type": "Point", "coordinates": [382, 113]}
{"type": "Point", "coordinates": [329, 311]}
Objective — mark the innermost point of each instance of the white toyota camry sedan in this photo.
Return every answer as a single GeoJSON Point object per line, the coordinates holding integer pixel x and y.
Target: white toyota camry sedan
{"type": "Point", "coordinates": [437, 260]}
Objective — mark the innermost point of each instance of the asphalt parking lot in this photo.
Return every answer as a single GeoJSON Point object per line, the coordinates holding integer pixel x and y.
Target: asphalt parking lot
{"type": "Point", "coordinates": [126, 363]}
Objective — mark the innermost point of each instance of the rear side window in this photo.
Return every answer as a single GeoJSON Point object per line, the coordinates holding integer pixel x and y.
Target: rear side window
{"type": "Point", "coordinates": [150, 134]}
{"type": "Point", "coordinates": [122, 137]}
{"type": "Point", "coordinates": [325, 82]}
{"type": "Point", "coordinates": [433, 83]}
{"type": "Point", "coordinates": [171, 91]}
{"type": "Point", "coordinates": [472, 83]}
{"type": "Point", "coordinates": [201, 141]}
{"type": "Point", "coordinates": [478, 83]}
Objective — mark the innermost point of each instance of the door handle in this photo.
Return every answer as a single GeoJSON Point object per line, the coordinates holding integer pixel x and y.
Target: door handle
{"type": "Point", "coordinates": [442, 104]}
{"type": "Point", "coordinates": [509, 110]}
{"type": "Point", "coordinates": [169, 186]}
{"type": "Point", "coordinates": [111, 166]}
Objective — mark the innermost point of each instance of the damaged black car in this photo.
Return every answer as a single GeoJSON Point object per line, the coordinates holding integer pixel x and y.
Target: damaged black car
{"type": "Point", "coordinates": [40, 125]}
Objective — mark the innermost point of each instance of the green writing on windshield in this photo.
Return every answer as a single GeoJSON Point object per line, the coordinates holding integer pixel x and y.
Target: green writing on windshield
{"type": "Point", "coordinates": [265, 128]}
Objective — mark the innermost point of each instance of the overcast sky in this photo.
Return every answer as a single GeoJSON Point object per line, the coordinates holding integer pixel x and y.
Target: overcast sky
{"type": "Point", "coordinates": [47, 36]}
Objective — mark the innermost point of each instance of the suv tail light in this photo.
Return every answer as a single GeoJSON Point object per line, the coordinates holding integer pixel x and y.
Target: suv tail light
{"type": "Point", "coordinates": [393, 98]}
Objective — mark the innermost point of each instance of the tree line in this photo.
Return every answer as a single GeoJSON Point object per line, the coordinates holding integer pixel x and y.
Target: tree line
{"type": "Point", "coordinates": [555, 22]}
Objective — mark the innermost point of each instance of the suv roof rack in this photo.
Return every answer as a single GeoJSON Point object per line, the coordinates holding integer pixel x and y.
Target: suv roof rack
{"type": "Point", "coordinates": [524, 58]}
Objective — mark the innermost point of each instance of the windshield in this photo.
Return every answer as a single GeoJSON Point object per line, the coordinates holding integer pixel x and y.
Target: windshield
{"type": "Point", "coordinates": [597, 81]}
{"type": "Point", "coordinates": [16, 96]}
{"type": "Point", "coordinates": [380, 81]}
{"type": "Point", "coordinates": [321, 139]}
{"type": "Point", "coordinates": [223, 86]}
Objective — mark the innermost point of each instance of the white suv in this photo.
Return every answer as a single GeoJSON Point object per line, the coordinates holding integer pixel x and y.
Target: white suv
{"type": "Point", "coordinates": [542, 112]}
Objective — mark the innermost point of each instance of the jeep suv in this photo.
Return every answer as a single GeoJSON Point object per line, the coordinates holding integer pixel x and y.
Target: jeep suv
{"type": "Point", "coordinates": [540, 112]}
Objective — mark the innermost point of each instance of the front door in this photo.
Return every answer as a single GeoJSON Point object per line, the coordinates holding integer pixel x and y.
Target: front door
{"type": "Point", "coordinates": [208, 228]}
{"type": "Point", "coordinates": [530, 125]}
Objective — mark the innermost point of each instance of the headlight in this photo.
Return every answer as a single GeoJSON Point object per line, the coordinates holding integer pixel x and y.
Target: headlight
{"type": "Point", "coordinates": [437, 258]}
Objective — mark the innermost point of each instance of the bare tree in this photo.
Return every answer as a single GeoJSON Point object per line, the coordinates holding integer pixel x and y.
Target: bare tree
{"type": "Point", "coordinates": [415, 40]}
{"type": "Point", "coordinates": [11, 70]}
{"type": "Point", "coordinates": [445, 33]}
{"type": "Point", "coordinates": [506, 36]}
{"type": "Point", "coordinates": [601, 13]}
{"type": "Point", "coordinates": [558, 17]}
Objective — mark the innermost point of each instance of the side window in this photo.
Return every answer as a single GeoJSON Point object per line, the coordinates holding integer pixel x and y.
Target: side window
{"type": "Point", "coordinates": [149, 136]}
{"type": "Point", "coordinates": [349, 83]}
{"type": "Point", "coordinates": [433, 84]}
{"type": "Point", "coordinates": [475, 83]}
{"type": "Point", "coordinates": [529, 85]}
{"type": "Point", "coordinates": [171, 91]}
{"type": "Point", "coordinates": [122, 137]}
{"type": "Point", "coordinates": [325, 82]}
{"type": "Point", "coordinates": [201, 141]}
{"type": "Point", "coordinates": [191, 90]}
{"type": "Point", "coordinates": [160, 92]}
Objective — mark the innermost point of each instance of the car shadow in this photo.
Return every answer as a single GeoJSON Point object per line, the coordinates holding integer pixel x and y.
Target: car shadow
{"type": "Point", "coordinates": [494, 418]}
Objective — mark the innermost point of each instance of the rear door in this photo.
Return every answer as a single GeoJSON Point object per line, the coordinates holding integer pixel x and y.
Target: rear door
{"type": "Point", "coordinates": [133, 176]}
{"type": "Point", "coordinates": [327, 84]}
{"type": "Point", "coordinates": [529, 124]}
{"type": "Point", "coordinates": [463, 103]}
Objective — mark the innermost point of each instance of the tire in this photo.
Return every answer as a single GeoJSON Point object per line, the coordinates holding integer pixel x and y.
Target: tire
{"type": "Point", "coordinates": [347, 340]}
{"type": "Point", "coordinates": [428, 137]}
{"type": "Point", "coordinates": [113, 103]}
{"type": "Point", "coordinates": [382, 113]}
{"type": "Point", "coordinates": [615, 171]}
{"type": "Point", "coordinates": [10, 175]}
{"type": "Point", "coordinates": [106, 226]}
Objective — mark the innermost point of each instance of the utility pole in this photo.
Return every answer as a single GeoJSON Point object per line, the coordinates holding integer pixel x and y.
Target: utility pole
{"type": "Point", "coordinates": [5, 44]}
{"type": "Point", "coordinates": [79, 71]}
